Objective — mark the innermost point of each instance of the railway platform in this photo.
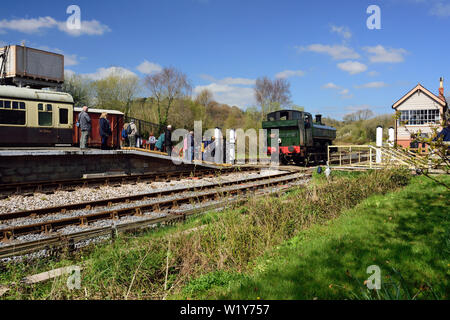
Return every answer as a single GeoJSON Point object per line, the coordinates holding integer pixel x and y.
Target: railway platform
{"type": "Point", "coordinates": [39, 164]}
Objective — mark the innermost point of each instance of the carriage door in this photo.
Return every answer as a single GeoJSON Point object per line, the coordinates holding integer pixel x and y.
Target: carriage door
{"type": "Point", "coordinates": [64, 125]}
{"type": "Point", "coordinates": [308, 130]}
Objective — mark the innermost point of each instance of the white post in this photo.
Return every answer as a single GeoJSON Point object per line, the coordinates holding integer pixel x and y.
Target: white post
{"type": "Point", "coordinates": [231, 150]}
{"type": "Point", "coordinates": [218, 153]}
{"type": "Point", "coordinates": [379, 143]}
{"type": "Point", "coordinates": [391, 137]}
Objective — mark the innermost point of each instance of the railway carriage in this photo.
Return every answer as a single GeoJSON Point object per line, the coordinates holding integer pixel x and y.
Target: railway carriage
{"type": "Point", "coordinates": [44, 118]}
{"type": "Point", "coordinates": [31, 117]}
{"type": "Point", "coordinates": [300, 139]}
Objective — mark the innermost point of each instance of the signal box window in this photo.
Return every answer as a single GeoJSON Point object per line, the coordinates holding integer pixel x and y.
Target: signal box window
{"type": "Point", "coordinates": [63, 116]}
{"type": "Point", "coordinates": [11, 116]}
{"type": "Point", "coordinates": [45, 117]}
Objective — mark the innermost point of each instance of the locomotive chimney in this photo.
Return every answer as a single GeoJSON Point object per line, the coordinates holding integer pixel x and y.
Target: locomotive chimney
{"type": "Point", "coordinates": [319, 118]}
{"type": "Point", "coordinates": [441, 89]}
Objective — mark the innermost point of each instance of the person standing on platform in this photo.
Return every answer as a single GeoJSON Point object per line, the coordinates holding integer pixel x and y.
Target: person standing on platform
{"type": "Point", "coordinates": [191, 145]}
{"type": "Point", "coordinates": [85, 126]}
{"type": "Point", "coordinates": [124, 141]}
{"type": "Point", "coordinates": [168, 140]}
{"type": "Point", "coordinates": [132, 129]}
{"type": "Point", "coordinates": [152, 141]}
{"type": "Point", "coordinates": [159, 145]}
{"type": "Point", "coordinates": [105, 130]}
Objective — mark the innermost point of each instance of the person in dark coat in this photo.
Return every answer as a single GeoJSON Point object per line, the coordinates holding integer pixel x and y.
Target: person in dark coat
{"type": "Point", "coordinates": [105, 130]}
{"type": "Point", "coordinates": [168, 140]}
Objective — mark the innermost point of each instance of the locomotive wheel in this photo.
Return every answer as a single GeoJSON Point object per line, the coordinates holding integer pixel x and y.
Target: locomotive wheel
{"type": "Point", "coordinates": [299, 161]}
{"type": "Point", "coordinates": [283, 160]}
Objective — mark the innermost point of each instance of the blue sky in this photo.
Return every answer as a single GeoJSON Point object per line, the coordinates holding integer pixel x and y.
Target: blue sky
{"type": "Point", "coordinates": [334, 63]}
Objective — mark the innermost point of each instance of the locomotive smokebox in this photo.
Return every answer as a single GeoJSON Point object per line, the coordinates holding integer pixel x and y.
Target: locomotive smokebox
{"type": "Point", "coordinates": [319, 118]}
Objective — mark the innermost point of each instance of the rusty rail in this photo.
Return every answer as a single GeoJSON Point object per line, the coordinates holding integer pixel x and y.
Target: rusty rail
{"type": "Point", "coordinates": [58, 241]}
{"type": "Point", "coordinates": [114, 213]}
{"type": "Point", "coordinates": [70, 184]}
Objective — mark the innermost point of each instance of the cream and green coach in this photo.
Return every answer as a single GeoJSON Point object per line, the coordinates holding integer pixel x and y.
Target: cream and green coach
{"type": "Point", "coordinates": [30, 117]}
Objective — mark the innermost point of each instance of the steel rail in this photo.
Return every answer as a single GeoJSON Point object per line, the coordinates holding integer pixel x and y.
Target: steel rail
{"type": "Point", "coordinates": [70, 184]}
{"type": "Point", "coordinates": [55, 243]}
{"type": "Point", "coordinates": [139, 209]}
{"type": "Point", "coordinates": [109, 202]}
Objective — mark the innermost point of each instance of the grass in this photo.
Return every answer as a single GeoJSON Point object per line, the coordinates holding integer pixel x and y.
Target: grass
{"type": "Point", "coordinates": [406, 233]}
{"type": "Point", "coordinates": [225, 248]}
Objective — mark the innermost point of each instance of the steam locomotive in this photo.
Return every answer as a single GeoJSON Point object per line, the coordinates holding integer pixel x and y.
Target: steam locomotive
{"type": "Point", "coordinates": [300, 139]}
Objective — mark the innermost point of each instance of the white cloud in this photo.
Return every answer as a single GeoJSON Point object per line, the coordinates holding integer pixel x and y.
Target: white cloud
{"type": "Point", "coordinates": [237, 81]}
{"type": "Point", "coordinates": [68, 73]}
{"type": "Point", "coordinates": [289, 73]}
{"type": "Point", "coordinates": [345, 93]}
{"type": "Point", "coordinates": [28, 25]}
{"type": "Point", "coordinates": [352, 67]}
{"type": "Point", "coordinates": [331, 85]}
{"type": "Point", "coordinates": [225, 92]}
{"type": "Point", "coordinates": [91, 28]}
{"type": "Point", "coordinates": [36, 25]}
{"type": "Point", "coordinates": [381, 54]}
{"type": "Point", "coordinates": [440, 10]}
{"type": "Point", "coordinates": [374, 84]}
{"type": "Point", "coordinates": [229, 80]}
{"type": "Point", "coordinates": [342, 31]}
{"type": "Point", "coordinates": [373, 73]}
{"type": "Point", "coordinates": [147, 67]}
{"type": "Point", "coordinates": [106, 72]}
{"type": "Point", "coordinates": [337, 52]}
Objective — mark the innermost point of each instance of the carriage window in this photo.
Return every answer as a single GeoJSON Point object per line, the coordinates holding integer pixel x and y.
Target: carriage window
{"type": "Point", "coordinates": [46, 118]}
{"type": "Point", "coordinates": [15, 105]}
{"type": "Point", "coordinates": [307, 122]}
{"type": "Point", "coordinates": [63, 116]}
{"type": "Point", "coordinates": [49, 107]}
{"type": "Point", "coordinates": [22, 105]}
{"type": "Point", "coordinates": [40, 107]}
{"type": "Point", "coordinates": [284, 116]}
{"type": "Point", "coordinates": [11, 117]}
{"type": "Point", "coordinates": [296, 115]}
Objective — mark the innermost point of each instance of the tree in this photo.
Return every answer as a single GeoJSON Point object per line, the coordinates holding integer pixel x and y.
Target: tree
{"type": "Point", "coordinates": [80, 88]}
{"type": "Point", "coordinates": [204, 98]}
{"type": "Point", "coordinates": [359, 115]}
{"type": "Point", "coordinates": [117, 91]}
{"type": "Point", "coordinates": [167, 87]}
{"type": "Point", "coordinates": [272, 95]}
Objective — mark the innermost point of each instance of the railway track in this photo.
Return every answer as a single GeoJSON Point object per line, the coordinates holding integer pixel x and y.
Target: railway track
{"type": "Point", "coordinates": [25, 188]}
{"type": "Point", "coordinates": [168, 205]}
